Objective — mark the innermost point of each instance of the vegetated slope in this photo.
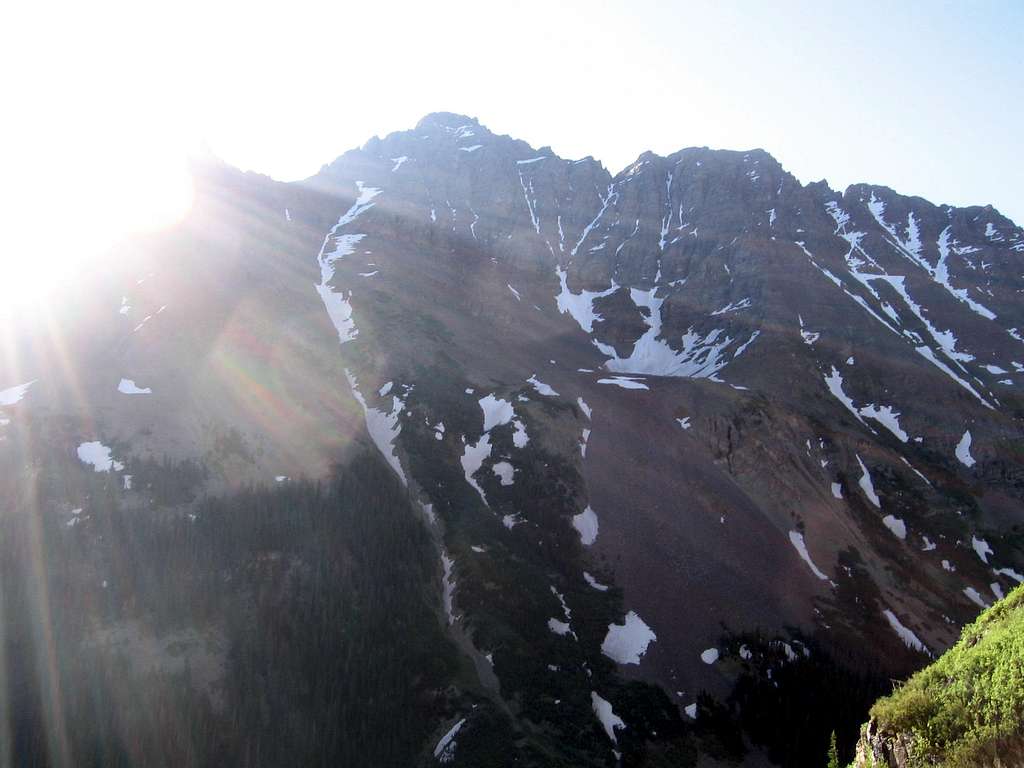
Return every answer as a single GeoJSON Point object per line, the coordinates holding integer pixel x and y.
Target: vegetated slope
{"type": "Point", "coordinates": [293, 625]}
{"type": "Point", "coordinates": [966, 709]}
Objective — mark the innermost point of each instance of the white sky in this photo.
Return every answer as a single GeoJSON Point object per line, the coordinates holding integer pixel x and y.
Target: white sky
{"type": "Point", "coordinates": [109, 96]}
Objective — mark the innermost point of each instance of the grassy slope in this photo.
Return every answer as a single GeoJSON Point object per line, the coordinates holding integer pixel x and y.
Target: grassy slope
{"type": "Point", "coordinates": [968, 705]}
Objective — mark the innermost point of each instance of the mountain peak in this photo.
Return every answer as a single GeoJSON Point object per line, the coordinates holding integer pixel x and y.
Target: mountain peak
{"type": "Point", "coordinates": [446, 120]}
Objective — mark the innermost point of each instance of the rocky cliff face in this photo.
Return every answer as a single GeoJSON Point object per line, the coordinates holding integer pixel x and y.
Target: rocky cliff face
{"type": "Point", "coordinates": [646, 412]}
{"type": "Point", "coordinates": [877, 748]}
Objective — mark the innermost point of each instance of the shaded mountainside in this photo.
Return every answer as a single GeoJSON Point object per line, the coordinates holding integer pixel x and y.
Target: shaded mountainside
{"type": "Point", "coordinates": [966, 709]}
{"type": "Point", "coordinates": [270, 627]}
{"type": "Point", "coordinates": [694, 445]}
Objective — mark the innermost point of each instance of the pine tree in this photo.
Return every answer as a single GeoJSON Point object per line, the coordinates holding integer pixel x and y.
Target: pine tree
{"type": "Point", "coordinates": [833, 753]}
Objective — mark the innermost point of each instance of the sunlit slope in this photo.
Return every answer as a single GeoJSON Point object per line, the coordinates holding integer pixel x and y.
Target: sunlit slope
{"type": "Point", "coordinates": [966, 709]}
{"type": "Point", "coordinates": [203, 341]}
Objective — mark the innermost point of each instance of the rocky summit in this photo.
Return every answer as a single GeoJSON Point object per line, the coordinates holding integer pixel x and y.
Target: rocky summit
{"type": "Point", "coordinates": [668, 456]}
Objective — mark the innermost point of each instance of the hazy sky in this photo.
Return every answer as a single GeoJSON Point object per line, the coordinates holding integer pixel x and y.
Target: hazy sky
{"type": "Point", "coordinates": [927, 98]}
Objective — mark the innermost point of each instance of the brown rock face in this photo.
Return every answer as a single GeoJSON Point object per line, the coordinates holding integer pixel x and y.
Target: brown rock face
{"type": "Point", "coordinates": [735, 401]}
{"type": "Point", "coordinates": [828, 351]}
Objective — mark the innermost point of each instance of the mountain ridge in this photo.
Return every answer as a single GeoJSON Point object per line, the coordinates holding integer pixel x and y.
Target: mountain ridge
{"type": "Point", "coordinates": [439, 119]}
{"type": "Point", "coordinates": [689, 442]}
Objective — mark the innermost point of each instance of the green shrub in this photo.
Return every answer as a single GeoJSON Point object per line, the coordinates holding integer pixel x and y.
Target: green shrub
{"type": "Point", "coordinates": [969, 702]}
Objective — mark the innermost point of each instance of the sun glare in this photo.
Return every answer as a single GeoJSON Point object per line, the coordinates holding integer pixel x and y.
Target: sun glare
{"type": "Point", "coordinates": [99, 151]}
{"type": "Point", "coordinates": [68, 224]}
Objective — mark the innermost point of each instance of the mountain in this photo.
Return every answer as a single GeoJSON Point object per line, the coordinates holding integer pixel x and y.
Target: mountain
{"type": "Point", "coordinates": [692, 445]}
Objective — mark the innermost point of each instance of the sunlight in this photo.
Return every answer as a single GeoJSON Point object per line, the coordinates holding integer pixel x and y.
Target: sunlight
{"type": "Point", "coordinates": [66, 226]}
{"type": "Point", "coordinates": [102, 151]}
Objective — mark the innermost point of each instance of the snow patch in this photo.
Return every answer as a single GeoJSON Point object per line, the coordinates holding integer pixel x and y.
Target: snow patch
{"type": "Point", "coordinates": [594, 582]}
{"type": "Point", "coordinates": [1011, 573]}
{"type": "Point", "coordinates": [963, 450]}
{"type": "Point", "coordinates": [505, 472]}
{"type": "Point", "coordinates": [606, 716]}
{"type": "Point", "coordinates": [580, 306]}
{"type": "Point", "coordinates": [541, 387]}
{"type": "Point", "coordinates": [709, 655]}
{"type": "Point", "coordinates": [867, 486]}
{"type": "Point", "coordinates": [558, 627]}
{"type": "Point", "coordinates": [733, 307]}
{"type": "Point", "coordinates": [338, 306]}
{"type": "Point", "coordinates": [444, 752]}
{"type": "Point", "coordinates": [519, 436]}
{"type": "Point", "coordinates": [605, 202]}
{"type": "Point", "coordinates": [98, 455]}
{"type": "Point", "coordinates": [700, 356]}
{"type": "Point", "coordinates": [834, 382]}
{"type": "Point", "coordinates": [496, 412]}
{"type": "Point", "coordinates": [511, 521]}
{"type": "Point", "coordinates": [909, 638]}
{"type": "Point", "coordinates": [473, 458]}
{"type": "Point", "coordinates": [624, 382]}
{"type": "Point", "coordinates": [797, 540]}
{"type": "Point", "coordinates": [809, 337]}
{"type": "Point", "coordinates": [974, 597]}
{"type": "Point", "coordinates": [887, 417]}
{"type": "Point", "coordinates": [586, 525]}
{"type": "Point", "coordinates": [383, 426]}
{"type": "Point", "coordinates": [13, 395]}
{"type": "Point", "coordinates": [981, 548]}
{"type": "Point", "coordinates": [626, 643]}
{"type": "Point", "coordinates": [584, 407]}
{"type": "Point", "coordinates": [129, 387]}
{"type": "Point", "coordinates": [447, 580]}
{"type": "Point", "coordinates": [927, 353]}
{"type": "Point", "coordinates": [897, 526]}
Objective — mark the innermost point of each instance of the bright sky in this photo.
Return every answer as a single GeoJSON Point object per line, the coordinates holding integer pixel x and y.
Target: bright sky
{"type": "Point", "coordinates": [108, 97]}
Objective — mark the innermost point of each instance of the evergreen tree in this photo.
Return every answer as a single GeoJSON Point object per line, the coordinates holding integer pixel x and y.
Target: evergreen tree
{"type": "Point", "coordinates": [833, 753]}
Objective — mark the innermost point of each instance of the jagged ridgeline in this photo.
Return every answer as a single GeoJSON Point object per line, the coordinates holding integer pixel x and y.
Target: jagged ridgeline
{"type": "Point", "coordinates": [685, 462]}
